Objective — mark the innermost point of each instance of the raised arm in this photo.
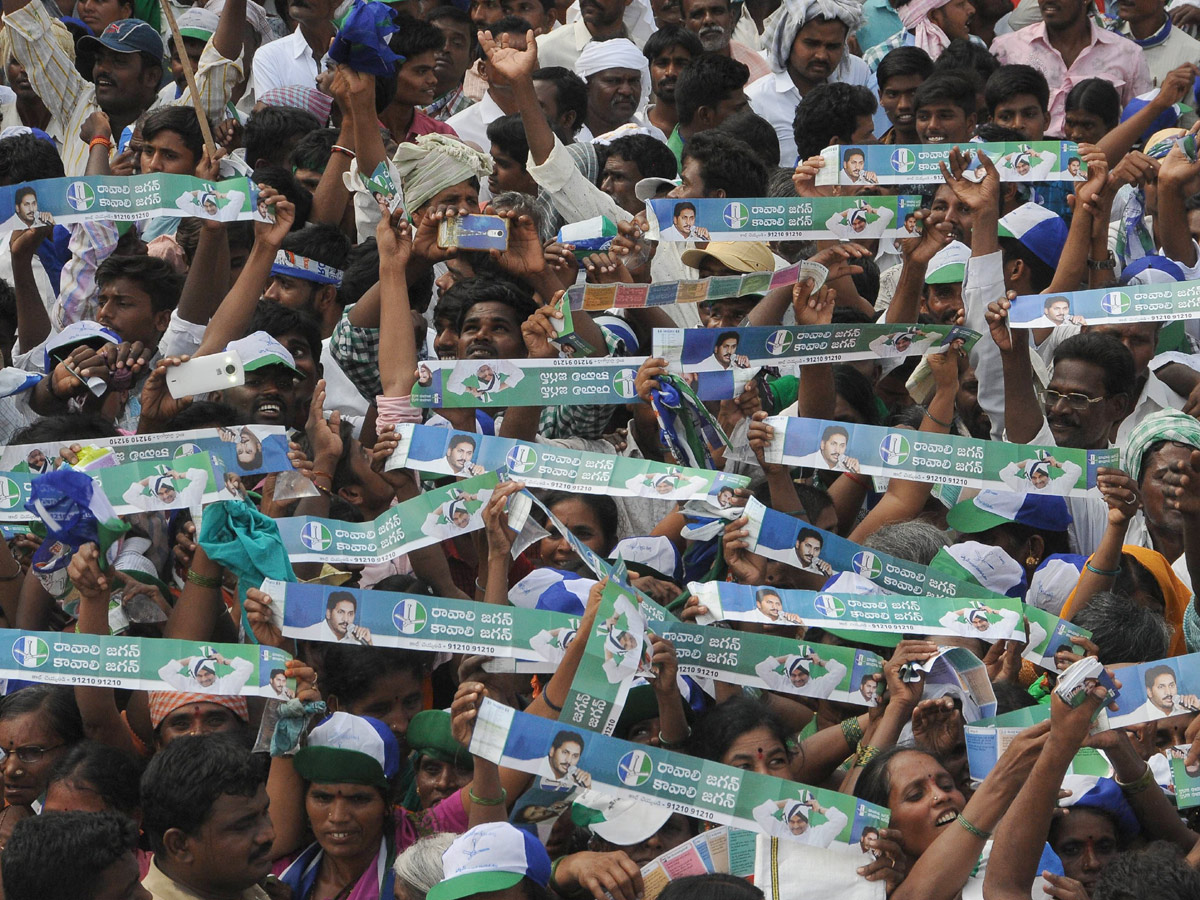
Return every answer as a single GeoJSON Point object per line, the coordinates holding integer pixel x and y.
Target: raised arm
{"type": "Point", "coordinates": [397, 338]}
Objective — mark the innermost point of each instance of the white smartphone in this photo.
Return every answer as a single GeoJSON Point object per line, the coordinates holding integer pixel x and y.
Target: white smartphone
{"type": "Point", "coordinates": [206, 374]}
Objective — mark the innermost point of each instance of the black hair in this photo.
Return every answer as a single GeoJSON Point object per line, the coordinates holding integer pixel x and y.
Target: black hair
{"type": "Point", "coordinates": [1017, 534]}
{"type": "Point", "coordinates": [63, 855]}
{"type": "Point", "coordinates": [833, 431]}
{"type": "Point", "coordinates": [727, 164]}
{"type": "Point", "coordinates": [650, 156]}
{"type": "Point", "coordinates": [509, 25]}
{"type": "Point", "coordinates": [53, 429]}
{"type": "Point", "coordinates": [360, 273]}
{"type": "Point", "coordinates": [1122, 630]}
{"type": "Point", "coordinates": [24, 192]}
{"type": "Point", "coordinates": [54, 704]}
{"type": "Point", "coordinates": [24, 157]}
{"type": "Point", "coordinates": [1136, 577]}
{"type": "Point", "coordinates": [990, 131]}
{"type": "Point", "coordinates": [829, 114]}
{"type": "Point", "coordinates": [272, 131]}
{"type": "Point", "coordinates": [313, 150]}
{"type": "Point", "coordinates": [351, 672]}
{"type": "Point", "coordinates": [204, 414]}
{"type": "Point", "coordinates": [806, 533]}
{"type": "Point", "coordinates": [1104, 351]}
{"type": "Point", "coordinates": [566, 737]}
{"type": "Point", "coordinates": [325, 243]}
{"type": "Point", "coordinates": [277, 320]}
{"type": "Point", "coordinates": [1098, 97]}
{"type": "Point", "coordinates": [462, 438]}
{"type": "Point", "coordinates": [1040, 273]}
{"type": "Point", "coordinates": [903, 61]}
{"type": "Point", "coordinates": [749, 126]}
{"type": "Point", "coordinates": [153, 275]}
{"type": "Point", "coordinates": [813, 500]}
{"type": "Point", "coordinates": [1013, 80]}
{"type": "Point", "coordinates": [336, 597]}
{"type": "Point", "coordinates": [446, 11]}
{"type": "Point", "coordinates": [281, 178]}
{"type": "Point", "coordinates": [724, 723]}
{"type": "Point", "coordinates": [875, 781]}
{"type": "Point", "coordinates": [682, 207]}
{"type": "Point", "coordinates": [726, 335]}
{"type": "Point", "coordinates": [571, 90]}
{"type": "Point", "coordinates": [705, 81]}
{"type": "Point", "coordinates": [414, 37]}
{"type": "Point", "coordinates": [948, 87]}
{"type": "Point", "coordinates": [964, 56]}
{"type": "Point", "coordinates": [508, 133]}
{"type": "Point", "coordinates": [715, 886]}
{"type": "Point", "coordinates": [474, 291]}
{"type": "Point", "coordinates": [855, 388]}
{"type": "Point", "coordinates": [187, 777]}
{"type": "Point", "coordinates": [672, 36]}
{"type": "Point", "coordinates": [111, 774]}
{"type": "Point", "coordinates": [603, 506]}
{"type": "Point", "coordinates": [1010, 697]}
{"type": "Point", "coordinates": [1157, 871]}
{"type": "Point", "coordinates": [180, 120]}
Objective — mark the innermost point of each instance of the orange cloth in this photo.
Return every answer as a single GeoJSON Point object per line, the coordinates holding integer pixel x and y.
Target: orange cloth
{"type": "Point", "coordinates": [1175, 593]}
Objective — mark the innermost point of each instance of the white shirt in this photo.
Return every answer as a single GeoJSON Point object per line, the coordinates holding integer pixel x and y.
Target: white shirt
{"type": "Point", "coordinates": [818, 836]}
{"type": "Point", "coordinates": [284, 62]}
{"type": "Point", "coordinates": [227, 685]}
{"type": "Point", "coordinates": [1012, 476]}
{"type": "Point", "coordinates": [775, 98]}
{"type": "Point", "coordinates": [562, 46]}
{"type": "Point", "coordinates": [820, 688]}
{"type": "Point", "coordinates": [1178, 49]}
{"type": "Point", "coordinates": [322, 632]}
{"type": "Point", "coordinates": [471, 124]}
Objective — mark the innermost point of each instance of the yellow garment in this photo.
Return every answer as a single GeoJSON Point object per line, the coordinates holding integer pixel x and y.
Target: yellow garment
{"type": "Point", "coordinates": [1175, 593]}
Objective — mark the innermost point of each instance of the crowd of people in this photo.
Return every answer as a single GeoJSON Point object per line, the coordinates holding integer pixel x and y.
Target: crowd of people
{"type": "Point", "coordinates": [324, 156]}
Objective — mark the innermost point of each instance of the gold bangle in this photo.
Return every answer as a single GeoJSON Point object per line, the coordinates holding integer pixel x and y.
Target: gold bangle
{"type": "Point", "coordinates": [207, 581]}
{"type": "Point", "coordinates": [1139, 784]}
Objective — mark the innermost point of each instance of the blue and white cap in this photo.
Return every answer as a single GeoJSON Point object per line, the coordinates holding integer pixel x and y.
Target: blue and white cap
{"type": "Point", "coordinates": [1168, 118]}
{"type": "Point", "coordinates": [296, 266]}
{"type": "Point", "coordinates": [346, 749]}
{"type": "Point", "coordinates": [260, 349]}
{"type": "Point", "coordinates": [59, 346]}
{"type": "Point", "coordinates": [618, 820]}
{"type": "Point", "coordinates": [987, 509]}
{"type": "Point", "coordinates": [1039, 229]}
{"type": "Point", "coordinates": [491, 857]}
{"type": "Point", "coordinates": [949, 265]}
{"type": "Point", "coordinates": [618, 334]}
{"type": "Point", "coordinates": [655, 553]}
{"type": "Point", "coordinates": [1153, 269]}
{"type": "Point", "coordinates": [550, 588]}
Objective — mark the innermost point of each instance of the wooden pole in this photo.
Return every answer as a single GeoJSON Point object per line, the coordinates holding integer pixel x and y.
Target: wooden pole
{"type": "Point", "coordinates": [190, 76]}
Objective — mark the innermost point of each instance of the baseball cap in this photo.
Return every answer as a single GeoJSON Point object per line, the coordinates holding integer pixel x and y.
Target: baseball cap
{"type": "Point", "coordinates": [491, 857]}
{"type": "Point", "coordinates": [1152, 269]}
{"type": "Point", "coordinates": [86, 332]}
{"type": "Point", "coordinates": [949, 265]}
{"type": "Point", "coordinates": [121, 36]}
{"type": "Point", "coordinates": [741, 256]}
{"type": "Point", "coordinates": [260, 349]}
{"type": "Point", "coordinates": [1041, 230]}
{"type": "Point", "coordinates": [618, 820]}
{"type": "Point", "coordinates": [648, 188]}
{"type": "Point", "coordinates": [198, 22]}
{"type": "Point", "coordinates": [347, 749]}
{"type": "Point", "coordinates": [429, 734]}
{"type": "Point", "coordinates": [987, 509]}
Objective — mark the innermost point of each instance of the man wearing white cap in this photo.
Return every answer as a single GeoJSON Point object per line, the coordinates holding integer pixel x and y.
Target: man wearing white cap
{"type": "Point", "coordinates": [618, 81]}
{"type": "Point", "coordinates": [1034, 475]}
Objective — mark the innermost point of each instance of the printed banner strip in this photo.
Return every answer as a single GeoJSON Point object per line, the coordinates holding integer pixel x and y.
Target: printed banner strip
{"type": "Point", "coordinates": [502, 383]}
{"type": "Point", "coordinates": [911, 164]}
{"type": "Point", "coordinates": [1165, 302]}
{"type": "Point", "coordinates": [780, 218]}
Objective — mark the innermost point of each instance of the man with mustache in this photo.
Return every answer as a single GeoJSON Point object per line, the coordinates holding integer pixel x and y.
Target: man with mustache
{"type": "Point", "coordinates": [599, 20]}
{"type": "Point", "coordinates": [712, 21]}
{"type": "Point", "coordinates": [617, 80]}
{"type": "Point", "coordinates": [668, 51]}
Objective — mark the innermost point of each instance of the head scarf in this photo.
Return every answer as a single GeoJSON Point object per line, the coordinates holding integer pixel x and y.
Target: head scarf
{"type": "Point", "coordinates": [434, 163]}
{"type": "Point", "coordinates": [297, 96]}
{"type": "Point", "coordinates": [163, 703]}
{"type": "Point", "coordinates": [1164, 425]}
{"type": "Point", "coordinates": [1176, 595]}
{"type": "Point", "coordinates": [617, 53]}
{"type": "Point", "coordinates": [914, 17]}
{"type": "Point", "coordinates": [796, 809]}
{"type": "Point", "coordinates": [795, 14]}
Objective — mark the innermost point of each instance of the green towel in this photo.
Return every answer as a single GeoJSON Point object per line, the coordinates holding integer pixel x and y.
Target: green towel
{"type": "Point", "coordinates": [243, 540]}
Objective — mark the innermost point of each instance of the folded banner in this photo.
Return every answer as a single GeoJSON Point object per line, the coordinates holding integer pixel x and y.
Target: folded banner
{"type": "Point", "coordinates": [616, 651]}
{"type": "Point", "coordinates": [338, 615]}
{"type": "Point", "coordinates": [684, 784]}
{"type": "Point", "coordinates": [483, 384]}
{"type": "Point", "coordinates": [1155, 690]}
{"type": "Point", "coordinates": [939, 458]}
{"type": "Point", "coordinates": [599, 297]}
{"type": "Point", "coordinates": [780, 218]}
{"type": "Point", "coordinates": [918, 163]}
{"type": "Point", "coordinates": [727, 351]}
{"type": "Point", "coordinates": [445, 452]}
{"type": "Point", "coordinates": [723, 850]}
{"type": "Point", "coordinates": [1185, 779]}
{"type": "Point", "coordinates": [1108, 306]}
{"type": "Point", "coordinates": [988, 738]}
{"type": "Point", "coordinates": [997, 619]}
{"type": "Point", "coordinates": [145, 664]}
{"type": "Point", "coordinates": [131, 198]}
{"type": "Point", "coordinates": [433, 516]}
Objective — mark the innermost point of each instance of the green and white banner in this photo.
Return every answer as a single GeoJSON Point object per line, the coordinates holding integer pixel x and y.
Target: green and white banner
{"type": "Point", "coordinates": [919, 163]}
{"type": "Point", "coordinates": [779, 218]}
{"type": "Point", "coordinates": [987, 740]}
{"type": "Point", "coordinates": [616, 651]}
{"type": "Point", "coordinates": [442, 451]}
{"type": "Point", "coordinates": [315, 612]}
{"type": "Point", "coordinates": [1185, 779]}
{"type": "Point", "coordinates": [434, 516]}
{"type": "Point", "coordinates": [938, 458]}
{"type": "Point", "coordinates": [501, 383]}
{"type": "Point", "coordinates": [1108, 306]}
{"type": "Point", "coordinates": [684, 784]}
{"type": "Point", "coordinates": [128, 198]}
{"type": "Point", "coordinates": [144, 664]}
{"type": "Point", "coordinates": [997, 619]}
{"type": "Point", "coordinates": [599, 297]}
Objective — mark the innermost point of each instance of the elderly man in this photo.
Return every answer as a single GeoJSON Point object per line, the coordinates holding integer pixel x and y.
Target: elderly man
{"type": "Point", "coordinates": [618, 83]}
{"type": "Point", "coordinates": [713, 22]}
{"type": "Point", "coordinates": [808, 47]}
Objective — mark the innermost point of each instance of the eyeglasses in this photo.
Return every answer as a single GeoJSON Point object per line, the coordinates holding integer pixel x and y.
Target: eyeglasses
{"type": "Point", "coordinates": [29, 755]}
{"type": "Point", "coordinates": [1078, 402]}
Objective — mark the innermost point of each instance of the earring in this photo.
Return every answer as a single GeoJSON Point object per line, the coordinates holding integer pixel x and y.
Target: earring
{"type": "Point", "coordinates": [1031, 561]}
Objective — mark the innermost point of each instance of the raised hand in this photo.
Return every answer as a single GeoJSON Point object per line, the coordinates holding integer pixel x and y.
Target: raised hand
{"type": "Point", "coordinates": [271, 234]}
{"type": "Point", "coordinates": [979, 195]}
{"type": "Point", "coordinates": [508, 62]}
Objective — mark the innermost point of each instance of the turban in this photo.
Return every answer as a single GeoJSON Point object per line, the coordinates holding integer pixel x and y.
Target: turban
{"type": "Point", "coordinates": [617, 53]}
{"type": "Point", "coordinates": [1039, 467]}
{"type": "Point", "coordinates": [914, 17]}
{"type": "Point", "coordinates": [795, 14]}
{"type": "Point", "coordinates": [297, 96]}
{"type": "Point", "coordinates": [796, 809]}
{"type": "Point", "coordinates": [163, 703]}
{"type": "Point", "coordinates": [798, 662]}
{"type": "Point", "coordinates": [434, 163]}
{"type": "Point", "coordinates": [1164, 425]}
{"type": "Point", "coordinates": [202, 665]}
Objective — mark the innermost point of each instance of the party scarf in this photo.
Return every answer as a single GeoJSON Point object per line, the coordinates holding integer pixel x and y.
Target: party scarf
{"type": "Point", "coordinates": [374, 884]}
{"type": "Point", "coordinates": [688, 429]}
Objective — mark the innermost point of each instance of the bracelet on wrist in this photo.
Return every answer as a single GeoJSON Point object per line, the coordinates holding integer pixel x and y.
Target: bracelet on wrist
{"type": "Point", "coordinates": [936, 421]}
{"type": "Point", "coordinates": [860, 480]}
{"type": "Point", "coordinates": [671, 745]}
{"type": "Point", "coordinates": [100, 140]}
{"type": "Point", "coordinates": [866, 753]}
{"type": "Point", "coordinates": [346, 151]}
{"type": "Point", "coordinates": [1139, 784]}
{"type": "Point", "coordinates": [493, 801]}
{"type": "Point", "coordinates": [1106, 573]}
{"type": "Point", "coordinates": [852, 731]}
{"type": "Point", "coordinates": [978, 832]}
{"type": "Point", "coordinates": [549, 702]}
{"type": "Point", "coordinates": [208, 581]}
